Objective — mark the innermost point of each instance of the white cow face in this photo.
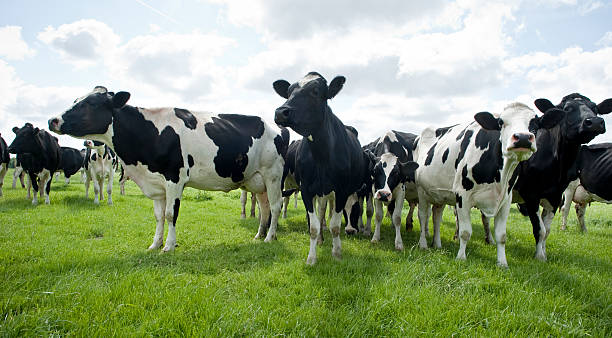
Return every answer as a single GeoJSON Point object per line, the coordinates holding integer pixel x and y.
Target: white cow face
{"type": "Point", "coordinates": [517, 125]}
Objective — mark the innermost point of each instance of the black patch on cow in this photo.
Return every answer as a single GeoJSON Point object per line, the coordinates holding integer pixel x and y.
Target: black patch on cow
{"type": "Point", "coordinates": [459, 200]}
{"type": "Point", "coordinates": [489, 166]}
{"type": "Point", "coordinates": [355, 214]}
{"type": "Point", "coordinates": [430, 154]}
{"type": "Point", "coordinates": [190, 121]}
{"type": "Point", "coordinates": [234, 135]}
{"type": "Point", "coordinates": [71, 161]}
{"type": "Point", "coordinates": [464, 144]}
{"type": "Point", "coordinates": [445, 155]}
{"type": "Point", "coordinates": [513, 179]}
{"type": "Point", "coordinates": [190, 161]}
{"type": "Point", "coordinates": [138, 140]}
{"type": "Point", "coordinates": [465, 181]}
{"type": "Point", "coordinates": [282, 142]}
{"type": "Point", "coordinates": [441, 131]}
{"type": "Point", "coordinates": [94, 157]}
{"type": "Point", "coordinates": [177, 205]}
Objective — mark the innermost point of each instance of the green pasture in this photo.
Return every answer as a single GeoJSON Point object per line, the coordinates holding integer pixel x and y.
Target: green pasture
{"type": "Point", "coordinates": [75, 269]}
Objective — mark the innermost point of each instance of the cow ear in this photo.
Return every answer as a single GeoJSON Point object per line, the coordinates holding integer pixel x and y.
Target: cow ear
{"type": "Point", "coordinates": [335, 86]}
{"type": "Point", "coordinates": [120, 99]}
{"type": "Point", "coordinates": [15, 130]}
{"type": "Point", "coordinates": [281, 87]}
{"type": "Point", "coordinates": [543, 105]}
{"type": "Point", "coordinates": [408, 170]}
{"type": "Point", "coordinates": [36, 131]}
{"type": "Point", "coordinates": [605, 107]}
{"type": "Point", "coordinates": [551, 118]}
{"type": "Point", "coordinates": [488, 121]}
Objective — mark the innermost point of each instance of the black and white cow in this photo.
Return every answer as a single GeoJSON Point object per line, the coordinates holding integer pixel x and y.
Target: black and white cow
{"type": "Point", "coordinates": [393, 171]}
{"type": "Point", "coordinates": [330, 164]}
{"type": "Point", "coordinates": [5, 158]}
{"type": "Point", "coordinates": [543, 178]}
{"type": "Point", "coordinates": [72, 161]}
{"type": "Point", "coordinates": [164, 150]}
{"type": "Point", "coordinates": [41, 157]}
{"type": "Point", "coordinates": [592, 174]}
{"type": "Point", "coordinates": [470, 165]}
{"type": "Point", "coordinates": [99, 164]}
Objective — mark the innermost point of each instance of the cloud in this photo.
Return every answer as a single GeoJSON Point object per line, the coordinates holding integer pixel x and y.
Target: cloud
{"type": "Point", "coordinates": [12, 46]}
{"type": "Point", "coordinates": [81, 43]}
{"type": "Point", "coordinates": [605, 40]}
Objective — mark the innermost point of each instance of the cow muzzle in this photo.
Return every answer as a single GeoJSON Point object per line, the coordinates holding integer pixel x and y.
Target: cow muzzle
{"type": "Point", "coordinates": [522, 142]}
{"type": "Point", "coordinates": [382, 195]}
{"type": "Point", "coordinates": [281, 116]}
{"type": "Point", "coordinates": [55, 125]}
{"type": "Point", "coordinates": [594, 124]}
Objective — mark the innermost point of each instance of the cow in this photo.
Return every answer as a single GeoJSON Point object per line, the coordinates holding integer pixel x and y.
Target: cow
{"type": "Point", "coordinates": [393, 172]}
{"type": "Point", "coordinates": [543, 178]}
{"type": "Point", "coordinates": [243, 200]}
{"type": "Point", "coordinates": [41, 157]}
{"type": "Point", "coordinates": [470, 165]}
{"type": "Point", "coordinates": [72, 161]}
{"type": "Point", "coordinates": [164, 150]}
{"type": "Point", "coordinates": [99, 165]}
{"type": "Point", "coordinates": [592, 174]}
{"type": "Point", "coordinates": [330, 164]}
{"type": "Point", "coordinates": [5, 158]}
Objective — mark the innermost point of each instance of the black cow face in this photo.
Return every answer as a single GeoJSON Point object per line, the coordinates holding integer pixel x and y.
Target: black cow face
{"type": "Point", "coordinates": [306, 104]}
{"type": "Point", "coordinates": [25, 140]}
{"type": "Point", "coordinates": [581, 123]}
{"type": "Point", "coordinates": [89, 115]}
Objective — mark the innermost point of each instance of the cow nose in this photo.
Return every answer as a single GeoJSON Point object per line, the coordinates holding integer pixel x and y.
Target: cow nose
{"type": "Point", "coordinates": [282, 115]}
{"type": "Point", "coordinates": [594, 124]}
{"type": "Point", "coordinates": [523, 140]}
{"type": "Point", "coordinates": [53, 123]}
{"type": "Point", "coordinates": [383, 196]}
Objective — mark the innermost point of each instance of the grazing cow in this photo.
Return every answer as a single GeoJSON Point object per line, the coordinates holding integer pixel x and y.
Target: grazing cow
{"type": "Point", "coordinates": [40, 157]}
{"type": "Point", "coordinates": [393, 171]}
{"type": "Point", "coordinates": [99, 164]}
{"type": "Point", "coordinates": [5, 158]}
{"type": "Point", "coordinates": [243, 199]}
{"type": "Point", "coordinates": [72, 161]}
{"type": "Point", "coordinates": [593, 181]}
{"type": "Point", "coordinates": [164, 150]}
{"type": "Point", "coordinates": [470, 165]}
{"type": "Point", "coordinates": [330, 164]}
{"type": "Point", "coordinates": [543, 178]}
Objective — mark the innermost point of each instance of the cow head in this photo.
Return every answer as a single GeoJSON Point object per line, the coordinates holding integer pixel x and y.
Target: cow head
{"type": "Point", "coordinates": [389, 173]}
{"type": "Point", "coordinates": [91, 115]}
{"type": "Point", "coordinates": [25, 140]}
{"type": "Point", "coordinates": [581, 123]}
{"type": "Point", "coordinates": [517, 125]}
{"type": "Point", "coordinates": [93, 144]}
{"type": "Point", "coordinates": [306, 104]}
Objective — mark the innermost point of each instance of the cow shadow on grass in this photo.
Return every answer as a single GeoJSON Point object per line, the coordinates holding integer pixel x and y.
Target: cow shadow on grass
{"type": "Point", "coordinates": [79, 201]}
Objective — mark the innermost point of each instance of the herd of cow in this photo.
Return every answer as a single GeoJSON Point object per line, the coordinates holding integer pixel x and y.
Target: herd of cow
{"type": "Point", "coordinates": [515, 156]}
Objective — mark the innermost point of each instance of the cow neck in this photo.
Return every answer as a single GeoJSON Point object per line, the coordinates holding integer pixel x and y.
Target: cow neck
{"type": "Point", "coordinates": [122, 128]}
{"type": "Point", "coordinates": [325, 138]}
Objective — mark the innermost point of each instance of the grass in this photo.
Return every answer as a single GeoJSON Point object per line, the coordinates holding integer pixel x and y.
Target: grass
{"type": "Point", "coordinates": [73, 268]}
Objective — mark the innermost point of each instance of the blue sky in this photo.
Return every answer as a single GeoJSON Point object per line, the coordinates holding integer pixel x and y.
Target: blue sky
{"type": "Point", "coordinates": [408, 64]}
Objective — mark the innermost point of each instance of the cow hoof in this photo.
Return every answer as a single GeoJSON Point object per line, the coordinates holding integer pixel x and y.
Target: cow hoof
{"type": "Point", "coordinates": [270, 239]}
{"type": "Point", "coordinates": [563, 228]}
{"type": "Point", "coordinates": [540, 257]}
{"type": "Point", "coordinates": [337, 255]}
{"type": "Point", "coordinates": [367, 233]}
{"type": "Point", "coordinates": [374, 241]}
{"type": "Point", "coordinates": [423, 245]}
{"type": "Point", "coordinates": [461, 257]}
{"type": "Point", "coordinates": [155, 246]}
{"type": "Point", "coordinates": [168, 248]}
{"type": "Point", "coordinates": [502, 265]}
{"type": "Point", "coordinates": [350, 231]}
{"type": "Point", "coordinates": [243, 216]}
{"type": "Point", "coordinates": [399, 247]}
{"type": "Point", "coordinates": [311, 260]}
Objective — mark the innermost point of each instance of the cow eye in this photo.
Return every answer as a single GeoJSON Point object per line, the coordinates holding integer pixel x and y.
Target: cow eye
{"type": "Point", "coordinates": [315, 92]}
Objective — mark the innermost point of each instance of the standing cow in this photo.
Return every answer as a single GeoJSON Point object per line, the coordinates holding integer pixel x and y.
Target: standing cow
{"type": "Point", "coordinates": [330, 164]}
{"type": "Point", "coordinates": [40, 157]}
{"type": "Point", "coordinates": [543, 178]}
{"type": "Point", "coordinates": [393, 171]}
{"type": "Point", "coordinates": [470, 165]}
{"type": "Point", "coordinates": [592, 174]}
{"type": "Point", "coordinates": [165, 150]}
{"type": "Point", "coordinates": [5, 158]}
{"type": "Point", "coordinates": [99, 164]}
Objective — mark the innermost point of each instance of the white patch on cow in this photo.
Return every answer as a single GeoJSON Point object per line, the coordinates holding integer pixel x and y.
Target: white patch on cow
{"type": "Point", "coordinates": [308, 78]}
{"type": "Point", "coordinates": [391, 136]}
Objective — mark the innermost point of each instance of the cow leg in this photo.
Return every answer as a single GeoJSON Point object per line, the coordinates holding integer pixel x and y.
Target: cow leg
{"type": "Point", "coordinates": [253, 204]}
{"type": "Point", "coordinates": [3, 170]}
{"type": "Point", "coordinates": [29, 185]}
{"type": "Point", "coordinates": [15, 175]}
{"type": "Point", "coordinates": [580, 212]}
{"type": "Point", "coordinates": [295, 200]}
{"type": "Point", "coordinates": [87, 180]}
{"type": "Point", "coordinates": [315, 227]}
{"type": "Point", "coordinates": [109, 187]}
{"type": "Point", "coordinates": [285, 204]}
{"type": "Point", "coordinates": [437, 211]}
{"type": "Point", "coordinates": [423, 213]}
{"type": "Point", "coordinates": [334, 227]}
{"type": "Point", "coordinates": [352, 210]}
{"type": "Point", "coordinates": [369, 214]}
{"type": "Point", "coordinates": [500, 221]}
{"type": "Point", "coordinates": [264, 214]}
{"type": "Point", "coordinates": [47, 186]}
{"type": "Point", "coordinates": [101, 188]}
{"type": "Point", "coordinates": [34, 180]}
{"type": "Point", "coordinates": [487, 229]}
{"type": "Point", "coordinates": [456, 235]}
{"type": "Point", "coordinates": [275, 203]}
{"type": "Point", "coordinates": [174, 191]}
{"type": "Point", "coordinates": [243, 200]}
{"type": "Point", "coordinates": [397, 221]}
{"type": "Point", "coordinates": [96, 184]}
{"type": "Point", "coordinates": [360, 218]}
{"type": "Point", "coordinates": [378, 205]}
{"type": "Point", "coordinates": [409, 224]}
{"type": "Point", "coordinates": [321, 210]}
{"type": "Point", "coordinates": [547, 217]}
{"type": "Point", "coordinates": [539, 232]}
{"type": "Point", "coordinates": [159, 207]}
{"type": "Point", "coordinates": [465, 228]}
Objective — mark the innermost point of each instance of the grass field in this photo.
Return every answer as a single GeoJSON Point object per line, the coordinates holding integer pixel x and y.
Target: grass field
{"type": "Point", "coordinates": [75, 269]}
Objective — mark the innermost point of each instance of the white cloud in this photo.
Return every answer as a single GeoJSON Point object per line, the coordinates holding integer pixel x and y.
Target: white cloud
{"type": "Point", "coordinates": [12, 46]}
{"type": "Point", "coordinates": [605, 41]}
{"type": "Point", "coordinates": [81, 43]}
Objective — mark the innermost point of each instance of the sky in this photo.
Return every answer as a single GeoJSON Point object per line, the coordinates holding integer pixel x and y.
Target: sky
{"type": "Point", "coordinates": [408, 64]}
